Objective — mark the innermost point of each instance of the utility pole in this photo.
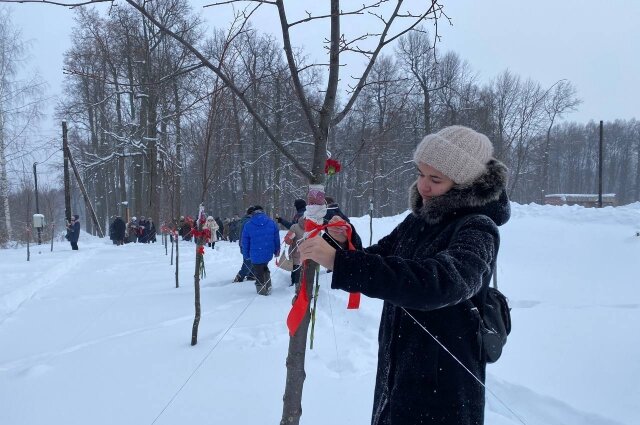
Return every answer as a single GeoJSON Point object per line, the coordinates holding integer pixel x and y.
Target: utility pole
{"type": "Point", "coordinates": [67, 179]}
{"type": "Point", "coordinates": [85, 195]}
{"type": "Point", "coordinates": [35, 179]}
{"type": "Point", "coordinates": [600, 160]}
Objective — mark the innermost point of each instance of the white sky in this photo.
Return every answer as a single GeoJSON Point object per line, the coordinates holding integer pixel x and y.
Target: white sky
{"type": "Point", "coordinates": [594, 45]}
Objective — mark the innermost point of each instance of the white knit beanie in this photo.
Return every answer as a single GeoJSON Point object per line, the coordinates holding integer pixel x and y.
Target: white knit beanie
{"type": "Point", "coordinates": [458, 152]}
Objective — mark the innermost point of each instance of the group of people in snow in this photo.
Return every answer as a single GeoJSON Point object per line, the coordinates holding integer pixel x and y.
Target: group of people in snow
{"type": "Point", "coordinates": [138, 230]}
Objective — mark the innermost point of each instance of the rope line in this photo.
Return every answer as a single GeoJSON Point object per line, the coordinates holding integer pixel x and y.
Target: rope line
{"type": "Point", "coordinates": [204, 359]}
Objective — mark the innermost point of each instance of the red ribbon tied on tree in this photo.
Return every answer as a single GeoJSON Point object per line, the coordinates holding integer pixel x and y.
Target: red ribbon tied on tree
{"type": "Point", "coordinates": [301, 305]}
{"type": "Point", "coordinates": [205, 233]}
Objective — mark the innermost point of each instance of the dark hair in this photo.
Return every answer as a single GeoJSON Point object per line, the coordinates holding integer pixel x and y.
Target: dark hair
{"type": "Point", "coordinates": [329, 200]}
{"type": "Point", "coordinates": [257, 208]}
{"type": "Point", "coordinates": [250, 210]}
{"type": "Point", "coordinates": [299, 204]}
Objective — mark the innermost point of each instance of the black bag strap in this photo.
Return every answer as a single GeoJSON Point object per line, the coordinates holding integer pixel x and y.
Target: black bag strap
{"type": "Point", "coordinates": [458, 224]}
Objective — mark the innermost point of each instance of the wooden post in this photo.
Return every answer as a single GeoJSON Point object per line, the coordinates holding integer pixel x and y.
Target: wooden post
{"type": "Point", "coordinates": [35, 181]}
{"type": "Point", "coordinates": [177, 259]}
{"type": "Point", "coordinates": [52, 233]}
{"type": "Point", "coordinates": [600, 160]}
{"type": "Point", "coordinates": [85, 195]}
{"type": "Point", "coordinates": [67, 179]}
{"type": "Point", "coordinates": [370, 221]}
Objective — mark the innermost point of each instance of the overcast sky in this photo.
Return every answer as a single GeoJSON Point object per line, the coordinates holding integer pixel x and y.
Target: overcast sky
{"type": "Point", "coordinates": [593, 44]}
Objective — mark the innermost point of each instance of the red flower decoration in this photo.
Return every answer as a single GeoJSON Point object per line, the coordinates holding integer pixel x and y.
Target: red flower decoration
{"type": "Point", "coordinates": [332, 167]}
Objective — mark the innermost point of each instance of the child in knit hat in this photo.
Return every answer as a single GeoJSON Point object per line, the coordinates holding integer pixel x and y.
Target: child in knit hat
{"type": "Point", "coordinates": [430, 271]}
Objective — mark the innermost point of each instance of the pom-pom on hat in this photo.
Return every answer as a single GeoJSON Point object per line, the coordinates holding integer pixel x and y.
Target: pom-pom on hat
{"type": "Point", "coordinates": [458, 152]}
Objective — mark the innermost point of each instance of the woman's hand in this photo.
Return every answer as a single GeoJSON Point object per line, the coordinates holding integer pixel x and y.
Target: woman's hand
{"type": "Point", "coordinates": [318, 250]}
{"type": "Point", "coordinates": [338, 233]}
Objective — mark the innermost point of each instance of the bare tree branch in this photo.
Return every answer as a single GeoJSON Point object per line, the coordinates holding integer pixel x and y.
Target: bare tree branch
{"type": "Point", "coordinates": [230, 84]}
{"type": "Point", "coordinates": [382, 43]}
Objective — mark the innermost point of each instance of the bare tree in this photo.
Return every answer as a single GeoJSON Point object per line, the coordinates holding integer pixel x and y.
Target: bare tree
{"type": "Point", "coordinates": [562, 98]}
{"type": "Point", "coordinates": [20, 101]}
{"type": "Point", "coordinates": [418, 55]}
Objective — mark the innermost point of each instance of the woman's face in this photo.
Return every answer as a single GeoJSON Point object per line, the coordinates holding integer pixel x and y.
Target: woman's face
{"type": "Point", "coordinates": [431, 182]}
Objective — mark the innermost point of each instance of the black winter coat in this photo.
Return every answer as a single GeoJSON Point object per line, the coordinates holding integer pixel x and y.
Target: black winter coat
{"type": "Point", "coordinates": [74, 231]}
{"type": "Point", "coordinates": [428, 270]}
{"type": "Point", "coordinates": [119, 228]}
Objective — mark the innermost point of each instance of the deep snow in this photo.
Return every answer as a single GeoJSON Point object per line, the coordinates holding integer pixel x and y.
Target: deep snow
{"type": "Point", "coordinates": [102, 336]}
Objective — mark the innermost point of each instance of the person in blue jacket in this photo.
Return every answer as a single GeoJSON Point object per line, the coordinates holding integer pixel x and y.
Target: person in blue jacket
{"type": "Point", "coordinates": [260, 242]}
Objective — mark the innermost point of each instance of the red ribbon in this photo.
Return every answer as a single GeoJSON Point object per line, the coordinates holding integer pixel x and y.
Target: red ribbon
{"type": "Point", "coordinates": [301, 306]}
{"type": "Point", "coordinates": [205, 233]}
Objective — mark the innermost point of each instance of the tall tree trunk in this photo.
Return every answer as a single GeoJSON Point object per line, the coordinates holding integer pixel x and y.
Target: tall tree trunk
{"type": "Point", "coordinates": [178, 160]}
{"type": "Point", "coordinates": [4, 183]}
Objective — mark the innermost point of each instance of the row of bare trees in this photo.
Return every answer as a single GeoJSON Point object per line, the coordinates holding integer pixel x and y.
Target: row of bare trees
{"type": "Point", "coordinates": [152, 127]}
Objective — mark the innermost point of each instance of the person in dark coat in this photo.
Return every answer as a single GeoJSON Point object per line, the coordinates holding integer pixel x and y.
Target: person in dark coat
{"type": "Point", "coordinates": [301, 207]}
{"type": "Point", "coordinates": [430, 271]}
{"type": "Point", "coordinates": [185, 229]}
{"type": "Point", "coordinates": [143, 230]}
{"type": "Point", "coordinates": [261, 242]}
{"type": "Point", "coordinates": [111, 233]}
{"type": "Point", "coordinates": [132, 230]}
{"type": "Point", "coordinates": [151, 228]}
{"type": "Point", "coordinates": [119, 228]}
{"type": "Point", "coordinates": [220, 228]}
{"type": "Point", "coordinates": [73, 231]}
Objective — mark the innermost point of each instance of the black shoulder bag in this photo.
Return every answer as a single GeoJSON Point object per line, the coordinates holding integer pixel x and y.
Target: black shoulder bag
{"type": "Point", "coordinates": [495, 320]}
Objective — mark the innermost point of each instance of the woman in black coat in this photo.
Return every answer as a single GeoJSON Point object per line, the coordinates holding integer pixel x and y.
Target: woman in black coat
{"type": "Point", "coordinates": [73, 231]}
{"type": "Point", "coordinates": [430, 271]}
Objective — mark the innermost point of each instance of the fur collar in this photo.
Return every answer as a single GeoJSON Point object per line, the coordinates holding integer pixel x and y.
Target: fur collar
{"type": "Point", "coordinates": [474, 197]}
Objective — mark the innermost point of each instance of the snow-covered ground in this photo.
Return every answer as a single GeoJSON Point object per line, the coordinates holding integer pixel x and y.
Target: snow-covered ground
{"type": "Point", "coordinates": [102, 336]}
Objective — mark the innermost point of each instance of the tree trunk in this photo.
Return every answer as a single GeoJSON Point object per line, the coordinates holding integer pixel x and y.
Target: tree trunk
{"type": "Point", "coordinates": [292, 407]}
{"type": "Point", "coordinates": [196, 277]}
{"type": "Point", "coordinates": [178, 160]}
{"type": "Point", "coordinates": [4, 184]}
{"type": "Point", "coordinates": [196, 282]}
